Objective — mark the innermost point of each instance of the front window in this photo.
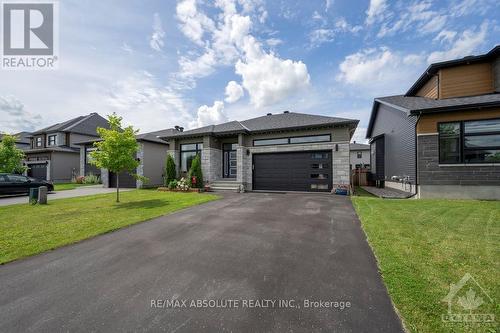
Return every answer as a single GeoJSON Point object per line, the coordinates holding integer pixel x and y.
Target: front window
{"type": "Point", "coordinates": [52, 140]}
{"type": "Point", "coordinates": [359, 154]}
{"type": "Point", "coordinates": [38, 142]}
{"type": "Point", "coordinates": [292, 140]}
{"type": "Point", "coordinates": [475, 141]}
{"type": "Point", "coordinates": [188, 153]}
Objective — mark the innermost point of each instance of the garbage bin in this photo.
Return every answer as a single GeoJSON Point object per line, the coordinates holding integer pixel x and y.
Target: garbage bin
{"type": "Point", "coordinates": [33, 196]}
{"type": "Point", "coordinates": [42, 195]}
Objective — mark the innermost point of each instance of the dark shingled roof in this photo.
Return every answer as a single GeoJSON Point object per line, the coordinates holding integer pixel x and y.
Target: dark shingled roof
{"type": "Point", "coordinates": [21, 137]}
{"type": "Point", "coordinates": [281, 121]}
{"type": "Point", "coordinates": [359, 146]}
{"type": "Point", "coordinates": [82, 125]}
{"type": "Point", "coordinates": [413, 105]}
{"type": "Point", "coordinates": [154, 136]}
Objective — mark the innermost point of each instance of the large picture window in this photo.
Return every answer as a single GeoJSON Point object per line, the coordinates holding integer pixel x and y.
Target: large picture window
{"type": "Point", "coordinates": [292, 140]}
{"type": "Point", "coordinates": [188, 153]}
{"type": "Point", "coordinates": [52, 140]}
{"type": "Point", "coordinates": [475, 141]}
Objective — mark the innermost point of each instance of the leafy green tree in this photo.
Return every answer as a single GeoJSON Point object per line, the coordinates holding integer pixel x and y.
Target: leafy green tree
{"type": "Point", "coordinates": [117, 150]}
{"type": "Point", "coordinates": [195, 171]}
{"type": "Point", "coordinates": [11, 157]}
{"type": "Point", "coordinates": [170, 172]}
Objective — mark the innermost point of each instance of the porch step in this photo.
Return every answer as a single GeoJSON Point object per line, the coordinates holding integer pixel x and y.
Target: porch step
{"type": "Point", "coordinates": [225, 185]}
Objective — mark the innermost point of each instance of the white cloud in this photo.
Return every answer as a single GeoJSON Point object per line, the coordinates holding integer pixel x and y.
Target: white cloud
{"type": "Point", "coordinates": [320, 36]}
{"type": "Point", "coordinates": [375, 11]}
{"type": "Point", "coordinates": [233, 92]}
{"type": "Point", "coordinates": [14, 117]}
{"type": "Point", "coordinates": [193, 23]}
{"type": "Point", "coordinates": [127, 48]}
{"type": "Point", "coordinates": [156, 42]}
{"type": "Point", "coordinates": [343, 26]}
{"type": "Point", "coordinates": [198, 67]}
{"type": "Point", "coordinates": [139, 98]}
{"type": "Point", "coordinates": [460, 8]}
{"type": "Point", "coordinates": [465, 45]}
{"type": "Point", "coordinates": [274, 42]}
{"type": "Point", "coordinates": [209, 115]}
{"type": "Point", "coordinates": [328, 4]}
{"type": "Point", "coordinates": [379, 71]}
{"type": "Point", "coordinates": [445, 36]}
{"type": "Point", "coordinates": [435, 24]}
{"type": "Point", "coordinates": [268, 78]}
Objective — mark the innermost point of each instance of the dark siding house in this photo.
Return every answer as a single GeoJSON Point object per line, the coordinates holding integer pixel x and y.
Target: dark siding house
{"type": "Point", "coordinates": [444, 133]}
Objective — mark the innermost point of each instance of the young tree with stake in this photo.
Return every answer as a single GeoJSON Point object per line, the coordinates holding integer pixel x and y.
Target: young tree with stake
{"type": "Point", "coordinates": [117, 150]}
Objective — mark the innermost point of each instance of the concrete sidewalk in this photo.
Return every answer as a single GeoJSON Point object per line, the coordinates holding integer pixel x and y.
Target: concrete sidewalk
{"type": "Point", "coordinates": [77, 192]}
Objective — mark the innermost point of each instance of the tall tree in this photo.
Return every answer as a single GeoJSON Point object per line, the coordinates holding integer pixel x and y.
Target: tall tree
{"type": "Point", "coordinates": [170, 170]}
{"type": "Point", "coordinates": [117, 150]}
{"type": "Point", "coordinates": [11, 157]}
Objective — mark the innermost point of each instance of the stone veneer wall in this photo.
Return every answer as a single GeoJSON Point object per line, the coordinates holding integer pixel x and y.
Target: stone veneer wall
{"type": "Point", "coordinates": [211, 164]}
{"type": "Point", "coordinates": [431, 173]}
{"type": "Point", "coordinates": [140, 168]}
{"type": "Point", "coordinates": [340, 159]}
{"type": "Point", "coordinates": [82, 160]}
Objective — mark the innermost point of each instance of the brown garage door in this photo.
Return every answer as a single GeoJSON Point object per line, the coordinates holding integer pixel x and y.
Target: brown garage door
{"type": "Point", "coordinates": [303, 171]}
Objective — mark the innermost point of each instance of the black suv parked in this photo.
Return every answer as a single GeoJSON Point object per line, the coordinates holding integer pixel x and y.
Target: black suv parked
{"type": "Point", "coordinates": [17, 184]}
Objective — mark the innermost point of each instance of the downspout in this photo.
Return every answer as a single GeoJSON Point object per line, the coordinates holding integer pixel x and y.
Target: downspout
{"type": "Point", "coordinates": [416, 155]}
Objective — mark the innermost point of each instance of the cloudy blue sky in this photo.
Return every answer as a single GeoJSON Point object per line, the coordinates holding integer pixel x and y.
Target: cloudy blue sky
{"type": "Point", "coordinates": [193, 62]}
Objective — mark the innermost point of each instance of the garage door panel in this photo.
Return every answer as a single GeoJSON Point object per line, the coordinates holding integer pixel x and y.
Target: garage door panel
{"type": "Point", "coordinates": [299, 171]}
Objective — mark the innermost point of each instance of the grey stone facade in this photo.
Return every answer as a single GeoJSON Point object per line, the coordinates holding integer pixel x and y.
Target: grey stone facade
{"type": "Point", "coordinates": [430, 172]}
{"type": "Point", "coordinates": [140, 168]}
{"type": "Point", "coordinates": [82, 160]}
{"type": "Point", "coordinates": [211, 164]}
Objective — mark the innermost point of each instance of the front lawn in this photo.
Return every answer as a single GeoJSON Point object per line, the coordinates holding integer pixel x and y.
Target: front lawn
{"type": "Point", "coordinates": [422, 246]}
{"type": "Point", "coordinates": [27, 230]}
{"type": "Point", "coordinates": [68, 186]}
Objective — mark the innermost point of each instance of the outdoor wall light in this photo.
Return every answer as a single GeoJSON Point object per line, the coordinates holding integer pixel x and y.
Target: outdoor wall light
{"type": "Point", "coordinates": [336, 147]}
{"type": "Point", "coordinates": [248, 152]}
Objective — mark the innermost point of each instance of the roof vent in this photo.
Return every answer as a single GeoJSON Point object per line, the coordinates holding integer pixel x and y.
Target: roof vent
{"type": "Point", "coordinates": [269, 114]}
{"type": "Point", "coordinates": [286, 111]}
{"type": "Point", "coordinates": [181, 129]}
{"type": "Point", "coordinates": [176, 127]}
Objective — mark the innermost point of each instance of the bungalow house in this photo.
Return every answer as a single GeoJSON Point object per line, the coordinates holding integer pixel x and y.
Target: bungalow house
{"type": "Point", "coordinates": [53, 153]}
{"type": "Point", "coordinates": [442, 138]}
{"type": "Point", "coordinates": [277, 152]}
{"type": "Point", "coordinates": [151, 156]}
{"type": "Point", "coordinates": [359, 156]}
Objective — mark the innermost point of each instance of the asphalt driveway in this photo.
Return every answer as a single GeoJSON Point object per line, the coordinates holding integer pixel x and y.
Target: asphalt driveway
{"type": "Point", "coordinates": [234, 256]}
{"type": "Point", "coordinates": [77, 192]}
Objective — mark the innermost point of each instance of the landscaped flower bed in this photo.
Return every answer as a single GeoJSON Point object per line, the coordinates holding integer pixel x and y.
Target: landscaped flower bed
{"type": "Point", "coordinates": [166, 189]}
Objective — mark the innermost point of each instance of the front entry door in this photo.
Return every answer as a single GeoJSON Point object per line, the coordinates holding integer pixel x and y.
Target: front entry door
{"type": "Point", "coordinates": [229, 160]}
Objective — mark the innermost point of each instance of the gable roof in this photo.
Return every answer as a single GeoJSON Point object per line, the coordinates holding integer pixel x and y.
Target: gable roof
{"type": "Point", "coordinates": [414, 105]}
{"type": "Point", "coordinates": [154, 136]}
{"type": "Point", "coordinates": [434, 68]}
{"type": "Point", "coordinates": [269, 123]}
{"type": "Point", "coordinates": [83, 125]}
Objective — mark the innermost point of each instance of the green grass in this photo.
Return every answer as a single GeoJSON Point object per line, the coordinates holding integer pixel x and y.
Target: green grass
{"type": "Point", "coordinates": [68, 186]}
{"type": "Point", "coordinates": [27, 230]}
{"type": "Point", "coordinates": [360, 192]}
{"type": "Point", "coordinates": [422, 246]}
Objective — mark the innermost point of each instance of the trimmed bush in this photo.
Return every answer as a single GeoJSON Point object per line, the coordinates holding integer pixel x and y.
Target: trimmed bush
{"type": "Point", "coordinates": [170, 173]}
{"type": "Point", "coordinates": [195, 171]}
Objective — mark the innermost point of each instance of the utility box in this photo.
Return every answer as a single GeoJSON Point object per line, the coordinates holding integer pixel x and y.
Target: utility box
{"type": "Point", "coordinates": [42, 195]}
{"type": "Point", "coordinates": [33, 196]}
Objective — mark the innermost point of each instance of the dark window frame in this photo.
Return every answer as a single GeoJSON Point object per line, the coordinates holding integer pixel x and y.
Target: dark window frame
{"type": "Point", "coordinates": [39, 141]}
{"type": "Point", "coordinates": [197, 150]}
{"type": "Point", "coordinates": [51, 142]}
{"type": "Point", "coordinates": [289, 138]}
{"type": "Point", "coordinates": [462, 136]}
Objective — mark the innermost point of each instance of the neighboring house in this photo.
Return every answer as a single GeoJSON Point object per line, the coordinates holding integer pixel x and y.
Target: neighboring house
{"type": "Point", "coordinates": [22, 140]}
{"type": "Point", "coordinates": [151, 156]}
{"type": "Point", "coordinates": [53, 153]}
{"type": "Point", "coordinates": [282, 152]}
{"type": "Point", "coordinates": [359, 155]}
{"type": "Point", "coordinates": [442, 138]}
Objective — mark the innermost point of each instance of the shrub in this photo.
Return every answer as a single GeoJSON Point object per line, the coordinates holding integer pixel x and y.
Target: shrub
{"type": "Point", "coordinates": [195, 171]}
{"type": "Point", "coordinates": [183, 184]}
{"type": "Point", "coordinates": [170, 173]}
{"type": "Point", "coordinates": [91, 179]}
{"type": "Point", "coordinates": [172, 184]}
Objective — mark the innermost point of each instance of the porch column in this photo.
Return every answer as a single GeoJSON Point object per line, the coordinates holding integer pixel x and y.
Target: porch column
{"type": "Point", "coordinates": [211, 160]}
{"type": "Point", "coordinates": [82, 160]}
{"type": "Point", "coordinates": [240, 155]}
